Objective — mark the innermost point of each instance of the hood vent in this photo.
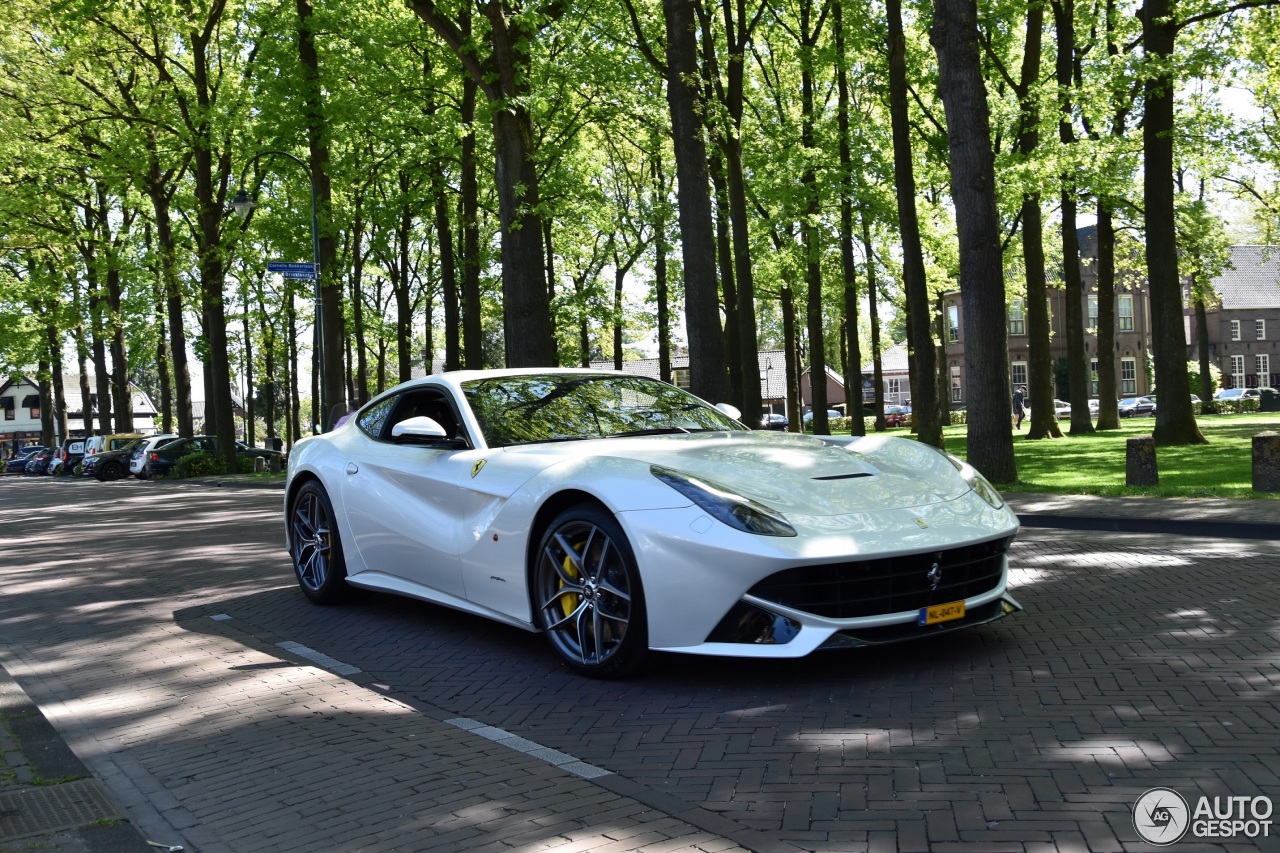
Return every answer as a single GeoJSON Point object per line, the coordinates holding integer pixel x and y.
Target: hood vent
{"type": "Point", "coordinates": [845, 476]}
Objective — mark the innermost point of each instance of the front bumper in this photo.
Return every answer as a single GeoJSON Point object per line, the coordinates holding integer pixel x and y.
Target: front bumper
{"type": "Point", "coordinates": [699, 575]}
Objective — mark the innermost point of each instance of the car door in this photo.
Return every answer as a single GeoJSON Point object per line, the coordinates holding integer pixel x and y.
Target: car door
{"type": "Point", "coordinates": [402, 501]}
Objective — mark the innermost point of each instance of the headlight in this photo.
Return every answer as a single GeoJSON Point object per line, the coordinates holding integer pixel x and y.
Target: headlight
{"type": "Point", "coordinates": [734, 510]}
{"type": "Point", "coordinates": [976, 481]}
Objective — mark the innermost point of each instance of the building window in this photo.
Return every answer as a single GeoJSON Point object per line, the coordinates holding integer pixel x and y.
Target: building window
{"type": "Point", "coordinates": [1124, 310]}
{"type": "Point", "coordinates": [680, 377]}
{"type": "Point", "coordinates": [1263, 366]}
{"type": "Point", "coordinates": [1128, 377]}
{"type": "Point", "coordinates": [1093, 377]}
{"type": "Point", "coordinates": [1235, 330]}
{"type": "Point", "coordinates": [1017, 324]}
{"type": "Point", "coordinates": [1019, 374]}
{"type": "Point", "coordinates": [894, 387]}
{"type": "Point", "coordinates": [1093, 314]}
{"type": "Point", "coordinates": [1262, 330]}
{"type": "Point", "coordinates": [956, 396]}
{"type": "Point", "coordinates": [6, 403]}
{"type": "Point", "coordinates": [953, 323]}
{"type": "Point", "coordinates": [1237, 371]}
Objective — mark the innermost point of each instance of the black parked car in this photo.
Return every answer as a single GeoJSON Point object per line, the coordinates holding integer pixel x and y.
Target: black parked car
{"type": "Point", "coordinates": [110, 465]}
{"type": "Point", "coordinates": [161, 460]}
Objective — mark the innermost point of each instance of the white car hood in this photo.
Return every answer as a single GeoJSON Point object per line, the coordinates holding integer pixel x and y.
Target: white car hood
{"type": "Point", "coordinates": [793, 474]}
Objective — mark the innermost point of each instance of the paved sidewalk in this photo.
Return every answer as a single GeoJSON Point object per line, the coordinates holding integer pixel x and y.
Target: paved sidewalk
{"type": "Point", "coordinates": [1221, 517]}
{"type": "Point", "coordinates": [469, 786]}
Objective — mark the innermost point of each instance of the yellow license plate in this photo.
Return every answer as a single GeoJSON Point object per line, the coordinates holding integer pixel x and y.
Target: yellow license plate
{"type": "Point", "coordinates": [941, 613]}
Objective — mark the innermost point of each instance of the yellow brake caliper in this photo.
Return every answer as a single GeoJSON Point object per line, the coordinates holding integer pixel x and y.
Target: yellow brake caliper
{"type": "Point", "coordinates": [567, 604]}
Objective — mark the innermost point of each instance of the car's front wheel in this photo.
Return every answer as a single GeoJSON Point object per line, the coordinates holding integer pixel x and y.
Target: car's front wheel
{"type": "Point", "coordinates": [587, 595]}
{"type": "Point", "coordinates": [315, 547]}
{"type": "Point", "coordinates": [109, 471]}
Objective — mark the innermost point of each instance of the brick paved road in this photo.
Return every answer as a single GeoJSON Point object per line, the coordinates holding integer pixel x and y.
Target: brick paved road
{"type": "Point", "coordinates": [1140, 663]}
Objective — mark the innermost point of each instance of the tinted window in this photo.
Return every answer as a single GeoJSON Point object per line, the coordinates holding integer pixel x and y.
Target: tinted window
{"type": "Point", "coordinates": [374, 417]}
{"type": "Point", "coordinates": [552, 407]}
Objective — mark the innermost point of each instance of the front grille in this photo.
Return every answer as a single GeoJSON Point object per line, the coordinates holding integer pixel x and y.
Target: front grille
{"type": "Point", "coordinates": [888, 584]}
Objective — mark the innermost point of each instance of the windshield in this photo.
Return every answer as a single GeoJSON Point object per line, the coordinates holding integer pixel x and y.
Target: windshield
{"type": "Point", "coordinates": [562, 407]}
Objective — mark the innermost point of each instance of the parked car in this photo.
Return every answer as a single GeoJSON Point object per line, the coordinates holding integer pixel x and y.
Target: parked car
{"type": "Point", "coordinates": [773, 420]}
{"type": "Point", "coordinates": [111, 465]}
{"type": "Point", "coordinates": [1061, 410]}
{"type": "Point", "coordinates": [18, 463]}
{"type": "Point", "coordinates": [160, 460]}
{"type": "Point", "coordinates": [138, 459]}
{"type": "Point", "coordinates": [1242, 393]}
{"type": "Point", "coordinates": [592, 481]}
{"type": "Point", "coordinates": [896, 416]}
{"type": "Point", "coordinates": [1132, 407]}
{"type": "Point", "coordinates": [808, 417]}
{"type": "Point", "coordinates": [38, 462]}
{"type": "Point", "coordinates": [67, 456]}
{"type": "Point", "coordinates": [100, 443]}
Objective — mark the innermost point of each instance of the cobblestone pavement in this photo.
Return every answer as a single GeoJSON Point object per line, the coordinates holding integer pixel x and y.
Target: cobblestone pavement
{"type": "Point", "coordinates": [167, 643]}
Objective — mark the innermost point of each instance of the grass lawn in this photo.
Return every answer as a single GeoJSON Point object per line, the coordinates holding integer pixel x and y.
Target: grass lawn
{"type": "Point", "coordinates": [1095, 464]}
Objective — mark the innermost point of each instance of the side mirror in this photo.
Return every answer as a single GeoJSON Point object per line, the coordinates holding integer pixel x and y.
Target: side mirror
{"type": "Point", "coordinates": [421, 428]}
{"type": "Point", "coordinates": [731, 411]}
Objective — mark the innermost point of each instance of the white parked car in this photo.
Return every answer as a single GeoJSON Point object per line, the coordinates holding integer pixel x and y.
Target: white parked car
{"type": "Point", "coordinates": [617, 515]}
{"type": "Point", "coordinates": [139, 458]}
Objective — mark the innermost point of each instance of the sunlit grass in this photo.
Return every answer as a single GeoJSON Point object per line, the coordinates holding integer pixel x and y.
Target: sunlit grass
{"type": "Point", "coordinates": [1095, 464]}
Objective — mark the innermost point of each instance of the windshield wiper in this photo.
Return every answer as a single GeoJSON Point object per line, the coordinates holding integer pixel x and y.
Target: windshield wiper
{"type": "Point", "coordinates": [552, 440]}
{"type": "Point", "coordinates": [671, 430]}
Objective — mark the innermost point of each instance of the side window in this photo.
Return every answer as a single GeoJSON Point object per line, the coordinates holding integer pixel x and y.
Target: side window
{"type": "Point", "coordinates": [426, 402]}
{"type": "Point", "coordinates": [374, 418]}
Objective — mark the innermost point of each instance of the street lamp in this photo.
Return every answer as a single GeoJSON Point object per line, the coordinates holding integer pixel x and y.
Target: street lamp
{"type": "Point", "coordinates": [243, 205]}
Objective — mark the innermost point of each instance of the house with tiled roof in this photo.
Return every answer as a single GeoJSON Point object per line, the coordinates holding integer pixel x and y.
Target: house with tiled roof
{"type": "Point", "coordinates": [1244, 325]}
{"type": "Point", "coordinates": [20, 409]}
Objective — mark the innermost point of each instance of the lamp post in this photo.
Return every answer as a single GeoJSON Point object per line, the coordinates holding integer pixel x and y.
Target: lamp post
{"type": "Point", "coordinates": [243, 206]}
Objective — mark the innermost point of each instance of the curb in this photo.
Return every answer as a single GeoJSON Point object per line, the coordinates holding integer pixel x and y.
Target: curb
{"type": "Point", "coordinates": [53, 801]}
{"type": "Point", "coordinates": [1161, 526]}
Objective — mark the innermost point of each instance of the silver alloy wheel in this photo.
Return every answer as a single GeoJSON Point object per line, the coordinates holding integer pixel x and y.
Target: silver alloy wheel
{"type": "Point", "coordinates": [310, 539]}
{"type": "Point", "coordinates": [584, 591]}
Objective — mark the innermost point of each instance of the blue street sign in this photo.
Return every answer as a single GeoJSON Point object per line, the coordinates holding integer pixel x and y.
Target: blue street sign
{"type": "Point", "coordinates": [289, 267]}
{"type": "Point", "coordinates": [300, 274]}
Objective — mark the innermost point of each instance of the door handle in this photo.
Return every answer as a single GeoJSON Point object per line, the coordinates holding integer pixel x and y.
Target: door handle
{"type": "Point", "coordinates": [352, 468]}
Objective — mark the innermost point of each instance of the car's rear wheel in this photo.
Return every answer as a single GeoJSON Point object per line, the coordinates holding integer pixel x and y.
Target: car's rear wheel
{"type": "Point", "coordinates": [587, 595]}
{"type": "Point", "coordinates": [315, 547]}
{"type": "Point", "coordinates": [109, 471]}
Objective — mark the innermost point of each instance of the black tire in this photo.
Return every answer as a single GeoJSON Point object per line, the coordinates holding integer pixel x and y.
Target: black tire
{"type": "Point", "coordinates": [318, 562]}
{"type": "Point", "coordinates": [109, 471]}
{"type": "Point", "coordinates": [587, 596]}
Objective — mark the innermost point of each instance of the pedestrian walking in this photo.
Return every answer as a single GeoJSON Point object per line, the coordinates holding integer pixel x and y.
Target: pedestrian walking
{"type": "Point", "coordinates": [1019, 407]}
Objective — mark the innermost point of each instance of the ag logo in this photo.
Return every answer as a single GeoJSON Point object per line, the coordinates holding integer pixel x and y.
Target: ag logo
{"type": "Point", "coordinates": [1161, 816]}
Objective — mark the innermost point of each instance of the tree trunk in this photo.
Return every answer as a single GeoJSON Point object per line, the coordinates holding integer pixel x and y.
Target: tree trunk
{"type": "Point", "coordinates": [973, 188]}
{"type": "Point", "coordinates": [469, 191]}
{"type": "Point", "coordinates": [849, 268]}
{"type": "Point", "coordinates": [1108, 411]}
{"type": "Point", "coordinates": [1073, 289]}
{"type": "Point", "coordinates": [448, 284]}
{"type": "Point", "coordinates": [873, 318]}
{"type": "Point", "coordinates": [728, 280]}
{"type": "Point", "coordinates": [795, 406]}
{"type": "Point", "coordinates": [156, 191]}
{"type": "Point", "coordinates": [1175, 418]}
{"type": "Point", "coordinates": [697, 233]}
{"type": "Point", "coordinates": [919, 338]}
{"type": "Point", "coordinates": [329, 283]}
{"type": "Point", "coordinates": [660, 270]}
